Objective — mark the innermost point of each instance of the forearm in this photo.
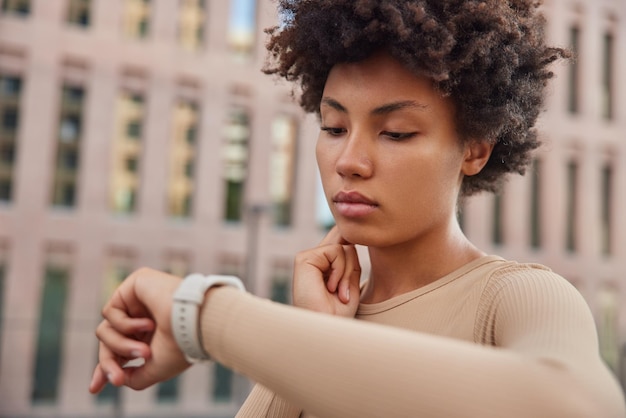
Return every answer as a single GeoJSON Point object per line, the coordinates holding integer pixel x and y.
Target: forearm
{"type": "Point", "coordinates": [335, 367]}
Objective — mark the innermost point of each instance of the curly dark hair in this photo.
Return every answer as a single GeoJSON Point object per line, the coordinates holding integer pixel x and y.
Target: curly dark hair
{"type": "Point", "coordinates": [489, 56]}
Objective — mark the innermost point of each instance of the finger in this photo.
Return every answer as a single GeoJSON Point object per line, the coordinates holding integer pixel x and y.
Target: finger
{"type": "Point", "coordinates": [125, 324]}
{"type": "Point", "coordinates": [333, 237]}
{"type": "Point", "coordinates": [125, 299]}
{"type": "Point", "coordinates": [109, 368]}
{"type": "Point", "coordinates": [349, 285]}
{"type": "Point", "coordinates": [98, 380]}
{"type": "Point", "coordinates": [337, 265]}
{"type": "Point", "coordinates": [121, 345]}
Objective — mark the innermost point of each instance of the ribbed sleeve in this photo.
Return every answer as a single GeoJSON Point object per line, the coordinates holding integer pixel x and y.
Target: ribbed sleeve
{"type": "Point", "coordinates": [263, 403]}
{"type": "Point", "coordinates": [335, 367]}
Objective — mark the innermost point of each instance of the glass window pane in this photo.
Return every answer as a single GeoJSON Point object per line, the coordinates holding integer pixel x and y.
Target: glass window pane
{"type": "Point", "coordinates": [282, 168]}
{"type": "Point", "coordinates": [79, 12]}
{"type": "Point", "coordinates": [607, 209]}
{"type": "Point", "coordinates": [607, 76]}
{"type": "Point", "coordinates": [223, 384]}
{"type": "Point", "coordinates": [3, 270]}
{"type": "Point", "coordinates": [237, 135]}
{"type": "Point", "coordinates": [127, 149]}
{"type": "Point", "coordinates": [181, 183]}
{"type": "Point", "coordinates": [191, 20]}
{"type": "Point", "coordinates": [50, 338]}
{"type": "Point", "coordinates": [167, 391]}
{"type": "Point", "coordinates": [497, 232]}
{"type": "Point", "coordinates": [573, 78]}
{"type": "Point", "coordinates": [16, 7]}
{"type": "Point", "coordinates": [137, 15]}
{"type": "Point", "coordinates": [65, 176]}
{"type": "Point", "coordinates": [535, 204]}
{"type": "Point", "coordinates": [608, 329]}
{"type": "Point", "coordinates": [10, 92]}
{"type": "Point", "coordinates": [242, 26]}
{"type": "Point", "coordinates": [571, 206]}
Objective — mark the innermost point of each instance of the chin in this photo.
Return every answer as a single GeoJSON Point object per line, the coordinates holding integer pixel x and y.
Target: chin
{"type": "Point", "coordinates": [361, 235]}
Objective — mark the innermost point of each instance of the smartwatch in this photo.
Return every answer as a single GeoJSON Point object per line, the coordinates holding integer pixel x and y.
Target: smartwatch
{"type": "Point", "coordinates": [185, 308]}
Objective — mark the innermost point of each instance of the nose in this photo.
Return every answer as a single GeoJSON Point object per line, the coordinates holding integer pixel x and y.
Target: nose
{"type": "Point", "coordinates": [355, 158]}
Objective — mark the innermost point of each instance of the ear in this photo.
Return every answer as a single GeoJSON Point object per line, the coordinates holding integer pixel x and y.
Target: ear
{"type": "Point", "coordinates": [477, 154]}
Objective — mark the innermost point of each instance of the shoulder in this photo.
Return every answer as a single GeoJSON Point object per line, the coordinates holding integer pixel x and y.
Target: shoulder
{"type": "Point", "coordinates": [519, 300]}
{"type": "Point", "coordinates": [512, 276]}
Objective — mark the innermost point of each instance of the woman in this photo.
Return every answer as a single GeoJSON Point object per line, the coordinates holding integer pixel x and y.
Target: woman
{"type": "Point", "coordinates": [420, 103]}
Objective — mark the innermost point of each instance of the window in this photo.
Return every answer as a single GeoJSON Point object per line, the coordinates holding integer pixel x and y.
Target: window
{"type": "Point", "coordinates": [281, 284]}
{"type": "Point", "coordinates": [607, 76]}
{"type": "Point", "coordinates": [571, 206]}
{"type": "Point", "coordinates": [237, 135]}
{"type": "Point", "coordinates": [242, 26]}
{"type": "Point", "coordinates": [127, 148]}
{"type": "Point", "coordinates": [223, 383]}
{"type": "Point", "coordinates": [133, 129]}
{"type": "Point", "coordinates": [9, 119]}
{"type": "Point", "coordinates": [191, 18]}
{"type": "Point", "coordinates": [181, 184]}
{"type": "Point", "coordinates": [10, 92]}
{"type": "Point", "coordinates": [574, 69]}
{"type": "Point", "coordinates": [3, 273]}
{"type": "Point", "coordinates": [167, 391]}
{"type": "Point", "coordinates": [79, 12]}
{"type": "Point", "coordinates": [607, 209]}
{"type": "Point", "coordinates": [51, 333]}
{"type": "Point", "coordinates": [608, 325]}
{"type": "Point", "coordinates": [497, 229]}
{"type": "Point", "coordinates": [535, 204]}
{"type": "Point", "coordinates": [65, 177]}
{"type": "Point", "coordinates": [282, 168]}
{"type": "Point", "coordinates": [16, 7]}
{"type": "Point", "coordinates": [137, 18]}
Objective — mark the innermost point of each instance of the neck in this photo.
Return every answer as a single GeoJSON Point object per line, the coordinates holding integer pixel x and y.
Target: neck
{"type": "Point", "coordinates": [408, 266]}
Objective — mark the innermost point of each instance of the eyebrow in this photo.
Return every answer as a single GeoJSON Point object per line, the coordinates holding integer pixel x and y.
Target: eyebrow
{"type": "Point", "coordinates": [380, 110]}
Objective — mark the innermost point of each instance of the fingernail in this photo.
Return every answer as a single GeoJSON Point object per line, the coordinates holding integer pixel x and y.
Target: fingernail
{"type": "Point", "coordinates": [110, 377]}
{"type": "Point", "coordinates": [348, 294]}
{"type": "Point", "coordinates": [135, 354]}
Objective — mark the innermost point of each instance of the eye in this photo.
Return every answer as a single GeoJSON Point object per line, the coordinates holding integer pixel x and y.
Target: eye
{"type": "Point", "coordinates": [398, 136]}
{"type": "Point", "coordinates": [333, 131]}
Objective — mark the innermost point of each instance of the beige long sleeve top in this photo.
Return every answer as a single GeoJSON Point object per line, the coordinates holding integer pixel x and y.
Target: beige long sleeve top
{"type": "Point", "coordinates": [493, 339]}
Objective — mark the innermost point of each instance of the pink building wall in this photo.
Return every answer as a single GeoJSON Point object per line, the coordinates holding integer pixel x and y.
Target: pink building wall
{"type": "Point", "coordinates": [45, 52]}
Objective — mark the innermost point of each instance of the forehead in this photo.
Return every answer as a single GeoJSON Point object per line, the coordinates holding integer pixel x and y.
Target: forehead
{"type": "Point", "coordinates": [380, 79]}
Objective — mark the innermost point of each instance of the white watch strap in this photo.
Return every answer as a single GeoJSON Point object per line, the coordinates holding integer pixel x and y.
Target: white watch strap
{"type": "Point", "coordinates": [186, 304]}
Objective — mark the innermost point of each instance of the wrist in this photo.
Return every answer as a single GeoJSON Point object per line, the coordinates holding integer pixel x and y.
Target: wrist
{"type": "Point", "coordinates": [188, 300]}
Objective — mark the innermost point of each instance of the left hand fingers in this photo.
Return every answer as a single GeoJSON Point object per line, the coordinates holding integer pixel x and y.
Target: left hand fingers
{"type": "Point", "coordinates": [348, 287]}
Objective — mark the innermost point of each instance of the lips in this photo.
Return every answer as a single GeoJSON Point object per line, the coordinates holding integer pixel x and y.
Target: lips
{"type": "Point", "coordinates": [352, 197]}
{"type": "Point", "coordinates": [353, 204]}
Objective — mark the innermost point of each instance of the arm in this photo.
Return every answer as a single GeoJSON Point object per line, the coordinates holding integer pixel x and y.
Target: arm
{"type": "Point", "coordinates": [136, 321]}
{"type": "Point", "coordinates": [336, 367]}
{"type": "Point", "coordinates": [340, 261]}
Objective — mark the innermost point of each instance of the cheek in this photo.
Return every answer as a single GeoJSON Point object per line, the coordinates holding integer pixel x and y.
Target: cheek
{"type": "Point", "coordinates": [324, 162]}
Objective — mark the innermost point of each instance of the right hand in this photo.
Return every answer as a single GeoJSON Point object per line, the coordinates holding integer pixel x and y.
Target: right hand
{"type": "Point", "coordinates": [326, 278]}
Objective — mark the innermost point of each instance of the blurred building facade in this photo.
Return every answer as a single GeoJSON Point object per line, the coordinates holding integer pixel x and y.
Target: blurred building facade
{"type": "Point", "coordinates": [142, 133]}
